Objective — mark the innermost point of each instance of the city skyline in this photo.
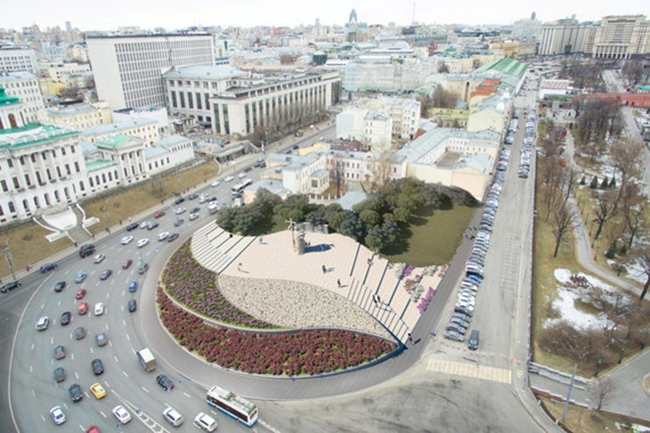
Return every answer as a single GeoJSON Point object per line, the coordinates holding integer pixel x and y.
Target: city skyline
{"type": "Point", "coordinates": [149, 14]}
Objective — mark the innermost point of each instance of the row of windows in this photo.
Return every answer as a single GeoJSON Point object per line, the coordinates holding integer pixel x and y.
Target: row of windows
{"type": "Point", "coordinates": [33, 156]}
{"type": "Point", "coordinates": [28, 180]}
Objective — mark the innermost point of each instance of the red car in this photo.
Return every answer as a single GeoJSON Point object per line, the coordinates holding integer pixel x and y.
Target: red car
{"type": "Point", "coordinates": [127, 264]}
{"type": "Point", "coordinates": [92, 429]}
{"type": "Point", "coordinates": [159, 213]}
{"type": "Point", "coordinates": [83, 308]}
{"type": "Point", "coordinates": [80, 294]}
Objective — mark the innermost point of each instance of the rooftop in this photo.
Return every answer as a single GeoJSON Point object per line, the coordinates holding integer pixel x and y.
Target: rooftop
{"type": "Point", "coordinates": [204, 72]}
{"type": "Point", "coordinates": [117, 127]}
{"type": "Point", "coordinates": [31, 134]}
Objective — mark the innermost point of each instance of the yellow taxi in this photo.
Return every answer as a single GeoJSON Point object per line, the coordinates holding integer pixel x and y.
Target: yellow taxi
{"type": "Point", "coordinates": [98, 391]}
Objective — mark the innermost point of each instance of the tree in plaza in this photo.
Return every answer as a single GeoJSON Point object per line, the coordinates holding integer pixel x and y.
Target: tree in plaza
{"type": "Point", "coordinates": [627, 156]}
{"type": "Point", "coordinates": [600, 390]}
{"type": "Point", "coordinates": [641, 255]}
{"type": "Point", "coordinates": [380, 167]}
{"type": "Point", "coordinates": [605, 210]}
{"type": "Point", "coordinates": [605, 182]}
{"type": "Point", "coordinates": [634, 204]}
{"type": "Point", "coordinates": [594, 182]}
{"type": "Point", "coordinates": [426, 103]}
{"type": "Point", "coordinates": [634, 73]}
{"type": "Point", "coordinates": [353, 227]}
{"type": "Point", "coordinates": [443, 98]}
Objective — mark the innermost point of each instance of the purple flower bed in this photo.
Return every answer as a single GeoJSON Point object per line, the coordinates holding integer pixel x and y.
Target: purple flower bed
{"type": "Point", "coordinates": [424, 302]}
{"type": "Point", "coordinates": [192, 285]}
{"type": "Point", "coordinates": [407, 271]}
{"type": "Point", "coordinates": [305, 352]}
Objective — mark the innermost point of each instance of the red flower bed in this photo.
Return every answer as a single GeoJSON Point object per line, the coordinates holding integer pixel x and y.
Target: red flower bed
{"type": "Point", "coordinates": [289, 353]}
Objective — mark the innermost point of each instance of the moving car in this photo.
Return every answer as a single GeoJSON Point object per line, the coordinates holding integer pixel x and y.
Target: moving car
{"type": "Point", "coordinates": [131, 226]}
{"type": "Point", "coordinates": [59, 352]}
{"type": "Point", "coordinates": [42, 323]}
{"type": "Point", "coordinates": [193, 216]}
{"type": "Point", "coordinates": [92, 429]}
{"type": "Point", "coordinates": [86, 250]}
{"type": "Point", "coordinates": [98, 366]}
{"type": "Point", "coordinates": [173, 416]}
{"type": "Point", "coordinates": [159, 214]}
{"type": "Point", "coordinates": [215, 183]}
{"type": "Point", "coordinates": [162, 236]}
{"type": "Point", "coordinates": [152, 226]}
{"type": "Point", "coordinates": [98, 390]}
{"type": "Point", "coordinates": [47, 267]}
{"type": "Point", "coordinates": [65, 318]}
{"type": "Point", "coordinates": [179, 200]}
{"type": "Point", "coordinates": [122, 415]}
{"type": "Point", "coordinates": [10, 286]}
{"type": "Point", "coordinates": [165, 382]}
{"type": "Point", "coordinates": [205, 422]}
{"type": "Point", "coordinates": [99, 258]}
{"type": "Point", "coordinates": [132, 305]}
{"type": "Point", "coordinates": [228, 179]}
{"type": "Point", "coordinates": [80, 294]}
{"type": "Point", "coordinates": [82, 308]}
{"type": "Point", "coordinates": [105, 274]}
{"type": "Point", "coordinates": [81, 276]}
{"type": "Point", "coordinates": [179, 210]}
{"type": "Point", "coordinates": [133, 286]}
{"type": "Point", "coordinates": [57, 415]}
{"type": "Point", "coordinates": [75, 392]}
{"type": "Point", "coordinates": [145, 224]}
{"type": "Point", "coordinates": [127, 264]}
{"type": "Point", "coordinates": [58, 287]}
{"type": "Point", "coordinates": [143, 268]}
{"type": "Point", "coordinates": [126, 240]}
{"type": "Point", "coordinates": [80, 333]}
{"type": "Point", "coordinates": [178, 222]}
{"type": "Point", "coordinates": [142, 242]}
{"type": "Point", "coordinates": [192, 196]}
{"type": "Point", "coordinates": [59, 374]}
{"type": "Point", "coordinates": [101, 339]}
{"type": "Point", "coordinates": [99, 309]}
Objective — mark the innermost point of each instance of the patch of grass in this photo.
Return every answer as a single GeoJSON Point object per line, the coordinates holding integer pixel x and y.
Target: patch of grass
{"type": "Point", "coordinates": [27, 241]}
{"type": "Point", "coordinates": [580, 420]}
{"type": "Point", "coordinates": [432, 238]}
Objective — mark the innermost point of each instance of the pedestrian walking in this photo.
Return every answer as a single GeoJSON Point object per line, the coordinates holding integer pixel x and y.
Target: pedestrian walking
{"type": "Point", "coordinates": [410, 338]}
{"type": "Point", "coordinates": [338, 282]}
{"type": "Point", "coordinates": [239, 267]}
{"type": "Point", "coordinates": [379, 299]}
{"type": "Point", "coordinates": [75, 244]}
{"type": "Point", "coordinates": [324, 269]}
{"type": "Point", "coordinates": [374, 299]}
{"type": "Point", "coordinates": [261, 241]}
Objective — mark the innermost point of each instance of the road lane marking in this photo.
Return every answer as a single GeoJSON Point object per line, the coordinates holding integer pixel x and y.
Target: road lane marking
{"type": "Point", "coordinates": [470, 370]}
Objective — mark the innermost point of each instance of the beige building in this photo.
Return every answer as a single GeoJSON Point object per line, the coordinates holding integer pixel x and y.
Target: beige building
{"type": "Point", "coordinates": [77, 116]}
{"type": "Point", "coordinates": [144, 129]}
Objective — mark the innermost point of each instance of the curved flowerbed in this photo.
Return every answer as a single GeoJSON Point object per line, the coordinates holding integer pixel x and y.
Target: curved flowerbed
{"type": "Point", "coordinates": [287, 353]}
{"type": "Point", "coordinates": [196, 287]}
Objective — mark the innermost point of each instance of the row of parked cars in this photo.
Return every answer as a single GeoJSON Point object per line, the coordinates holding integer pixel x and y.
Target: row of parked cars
{"type": "Point", "coordinates": [528, 146]}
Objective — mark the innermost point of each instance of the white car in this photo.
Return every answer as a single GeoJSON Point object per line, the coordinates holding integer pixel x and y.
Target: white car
{"type": "Point", "coordinates": [57, 415]}
{"type": "Point", "coordinates": [142, 242]}
{"type": "Point", "coordinates": [145, 224]}
{"type": "Point", "coordinates": [99, 309]}
{"type": "Point", "coordinates": [179, 210]}
{"type": "Point", "coordinates": [228, 179]}
{"type": "Point", "coordinates": [127, 240]}
{"type": "Point", "coordinates": [162, 236]}
{"type": "Point", "coordinates": [215, 183]}
{"type": "Point", "coordinates": [241, 175]}
{"type": "Point", "coordinates": [194, 216]}
{"type": "Point", "coordinates": [99, 258]}
{"type": "Point", "coordinates": [122, 414]}
{"type": "Point", "coordinates": [203, 198]}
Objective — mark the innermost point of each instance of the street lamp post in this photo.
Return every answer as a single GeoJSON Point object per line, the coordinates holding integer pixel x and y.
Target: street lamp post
{"type": "Point", "coordinates": [598, 367]}
{"type": "Point", "coordinates": [9, 259]}
{"type": "Point", "coordinates": [105, 210]}
{"type": "Point", "coordinates": [645, 337]}
{"type": "Point", "coordinates": [596, 255]}
{"type": "Point", "coordinates": [622, 353]}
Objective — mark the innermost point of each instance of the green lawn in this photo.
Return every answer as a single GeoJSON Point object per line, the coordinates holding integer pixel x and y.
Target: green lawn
{"type": "Point", "coordinates": [432, 236]}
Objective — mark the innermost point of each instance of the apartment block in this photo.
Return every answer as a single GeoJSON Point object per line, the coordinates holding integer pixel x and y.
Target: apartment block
{"type": "Point", "coordinates": [18, 59]}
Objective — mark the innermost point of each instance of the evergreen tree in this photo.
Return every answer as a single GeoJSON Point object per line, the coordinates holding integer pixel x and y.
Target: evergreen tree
{"type": "Point", "coordinates": [594, 182]}
{"type": "Point", "coordinates": [605, 183]}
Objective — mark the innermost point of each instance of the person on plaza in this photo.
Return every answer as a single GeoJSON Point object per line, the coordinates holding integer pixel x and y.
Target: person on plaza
{"type": "Point", "coordinates": [338, 282]}
{"type": "Point", "coordinates": [324, 269]}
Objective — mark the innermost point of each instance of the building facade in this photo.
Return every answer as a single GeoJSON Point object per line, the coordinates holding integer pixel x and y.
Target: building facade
{"type": "Point", "coordinates": [144, 129]}
{"type": "Point", "coordinates": [24, 85]}
{"type": "Point", "coordinates": [128, 69]}
{"type": "Point", "coordinates": [18, 59]}
{"type": "Point", "coordinates": [77, 116]}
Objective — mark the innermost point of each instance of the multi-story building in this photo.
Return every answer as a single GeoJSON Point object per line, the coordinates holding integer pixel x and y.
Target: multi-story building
{"type": "Point", "coordinates": [190, 88]}
{"type": "Point", "coordinates": [142, 128]}
{"type": "Point", "coordinates": [24, 85]}
{"type": "Point", "coordinates": [77, 116]}
{"type": "Point", "coordinates": [614, 37]}
{"type": "Point", "coordinates": [60, 72]}
{"type": "Point", "coordinates": [405, 114]}
{"type": "Point", "coordinates": [157, 114]}
{"type": "Point", "coordinates": [283, 102]}
{"type": "Point", "coordinates": [128, 69]}
{"type": "Point", "coordinates": [383, 76]}
{"type": "Point", "coordinates": [18, 59]}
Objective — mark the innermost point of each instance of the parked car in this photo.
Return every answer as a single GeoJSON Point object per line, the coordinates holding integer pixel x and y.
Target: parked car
{"type": "Point", "coordinates": [58, 287]}
{"type": "Point", "coordinates": [75, 392]}
{"type": "Point", "coordinates": [165, 382]}
{"type": "Point", "coordinates": [66, 316]}
{"type": "Point", "coordinates": [47, 267]}
{"type": "Point", "coordinates": [193, 216]}
{"type": "Point", "coordinates": [455, 336]}
{"type": "Point", "coordinates": [81, 276]}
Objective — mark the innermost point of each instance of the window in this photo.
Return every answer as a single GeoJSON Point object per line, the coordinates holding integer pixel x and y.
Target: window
{"type": "Point", "coordinates": [27, 180]}
{"type": "Point", "coordinates": [5, 188]}
{"type": "Point", "coordinates": [12, 208]}
{"type": "Point", "coordinates": [10, 163]}
{"type": "Point", "coordinates": [16, 183]}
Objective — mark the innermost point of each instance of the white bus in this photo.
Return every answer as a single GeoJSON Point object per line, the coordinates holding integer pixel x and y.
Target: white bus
{"type": "Point", "coordinates": [232, 405]}
{"type": "Point", "coordinates": [239, 188]}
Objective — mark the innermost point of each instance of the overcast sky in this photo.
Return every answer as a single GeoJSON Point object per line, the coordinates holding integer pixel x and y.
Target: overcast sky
{"type": "Point", "coordinates": [147, 14]}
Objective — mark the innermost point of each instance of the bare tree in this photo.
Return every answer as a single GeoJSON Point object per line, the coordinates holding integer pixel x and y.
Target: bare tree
{"type": "Point", "coordinates": [634, 73]}
{"type": "Point", "coordinates": [642, 256]}
{"type": "Point", "coordinates": [605, 210]}
{"type": "Point", "coordinates": [443, 98]}
{"type": "Point", "coordinates": [628, 162]}
{"type": "Point", "coordinates": [381, 168]}
{"type": "Point", "coordinates": [600, 389]}
{"type": "Point", "coordinates": [337, 172]}
{"type": "Point", "coordinates": [562, 224]}
{"type": "Point", "coordinates": [425, 104]}
{"type": "Point", "coordinates": [634, 204]}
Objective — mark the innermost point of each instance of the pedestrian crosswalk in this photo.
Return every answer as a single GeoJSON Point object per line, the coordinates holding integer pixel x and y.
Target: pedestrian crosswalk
{"type": "Point", "coordinates": [470, 370]}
